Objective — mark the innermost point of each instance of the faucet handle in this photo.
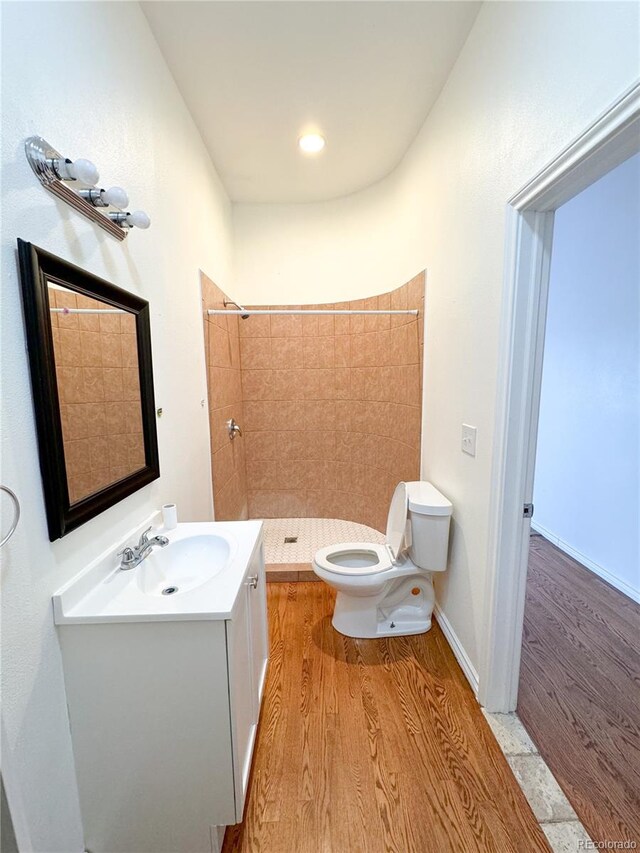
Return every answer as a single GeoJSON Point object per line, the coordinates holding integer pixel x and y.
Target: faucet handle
{"type": "Point", "coordinates": [233, 428]}
{"type": "Point", "coordinates": [144, 538]}
{"type": "Point", "coordinates": [128, 558]}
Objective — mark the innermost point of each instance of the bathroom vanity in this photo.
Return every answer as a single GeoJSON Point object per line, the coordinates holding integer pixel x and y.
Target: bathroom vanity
{"type": "Point", "coordinates": [164, 688]}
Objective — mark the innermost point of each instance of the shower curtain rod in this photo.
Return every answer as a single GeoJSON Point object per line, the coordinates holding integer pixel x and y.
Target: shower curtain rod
{"type": "Point", "coordinates": [260, 311]}
{"type": "Point", "coordinates": [87, 311]}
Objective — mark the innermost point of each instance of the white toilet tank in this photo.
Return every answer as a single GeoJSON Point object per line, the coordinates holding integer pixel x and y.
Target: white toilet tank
{"type": "Point", "coordinates": [430, 515]}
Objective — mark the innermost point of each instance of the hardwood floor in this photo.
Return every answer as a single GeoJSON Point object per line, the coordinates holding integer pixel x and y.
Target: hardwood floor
{"type": "Point", "coordinates": [367, 746]}
{"type": "Point", "coordinates": [579, 694]}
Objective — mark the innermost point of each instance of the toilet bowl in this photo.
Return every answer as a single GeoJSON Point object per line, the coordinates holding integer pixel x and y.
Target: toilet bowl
{"type": "Point", "coordinates": [387, 590]}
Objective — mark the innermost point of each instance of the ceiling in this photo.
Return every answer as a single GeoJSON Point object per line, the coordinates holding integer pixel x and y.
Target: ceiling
{"type": "Point", "coordinates": [255, 75]}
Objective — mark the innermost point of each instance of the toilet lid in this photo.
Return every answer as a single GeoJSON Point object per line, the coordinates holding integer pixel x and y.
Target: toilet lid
{"type": "Point", "coordinates": [397, 520]}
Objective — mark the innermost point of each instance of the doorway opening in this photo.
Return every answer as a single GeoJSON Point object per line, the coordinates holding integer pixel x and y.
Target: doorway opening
{"type": "Point", "coordinates": [611, 140]}
{"type": "Point", "coordinates": [580, 661]}
{"type": "Point", "coordinates": [607, 143]}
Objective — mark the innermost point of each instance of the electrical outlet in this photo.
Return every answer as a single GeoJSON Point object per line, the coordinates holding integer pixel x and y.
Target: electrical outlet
{"type": "Point", "coordinates": [469, 439]}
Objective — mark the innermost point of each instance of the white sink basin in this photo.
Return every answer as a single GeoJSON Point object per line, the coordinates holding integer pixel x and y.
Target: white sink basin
{"type": "Point", "coordinates": [182, 565]}
{"type": "Point", "coordinates": [196, 576]}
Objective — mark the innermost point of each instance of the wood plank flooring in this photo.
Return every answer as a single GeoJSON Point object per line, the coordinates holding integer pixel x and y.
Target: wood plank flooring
{"type": "Point", "coordinates": [371, 746]}
{"type": "Point", "coordinates": [579, 694]}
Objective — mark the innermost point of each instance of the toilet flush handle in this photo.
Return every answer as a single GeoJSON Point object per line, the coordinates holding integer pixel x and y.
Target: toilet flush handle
{"type": "Point", "coordinates": [233, 428]}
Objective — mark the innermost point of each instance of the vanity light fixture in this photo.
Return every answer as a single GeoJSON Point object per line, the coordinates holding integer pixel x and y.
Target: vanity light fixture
{"type": "Point", "coordinates": [113, 197]}
{"type": "Point", "coordinates": [57, 174]}
{"type": "Point", "coordinates": [137, 219]}
{"type": "Point", "coordinates": [76, 170]}
{"type": "Point", "coordinates": [311, 143]}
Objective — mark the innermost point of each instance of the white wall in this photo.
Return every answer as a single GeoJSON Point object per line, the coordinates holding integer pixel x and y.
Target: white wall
{"type": "Point", "coordinates": [587, 484]}
{"type": "Point", "coordinates": [90, 79]}
{"type": "Point", "coordinates": [530, 78]}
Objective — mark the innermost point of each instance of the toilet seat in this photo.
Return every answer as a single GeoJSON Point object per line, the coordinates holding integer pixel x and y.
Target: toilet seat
{"type": "Point", "coordinates": [370, 558]}
{"type": "Point", "coordinates": [354, 558]}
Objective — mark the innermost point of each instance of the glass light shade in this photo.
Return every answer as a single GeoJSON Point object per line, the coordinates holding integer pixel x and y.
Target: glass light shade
{"type": "Point", "coordinates": [115, 196]}
{"type": "Point", "coordinates": [138, 219]}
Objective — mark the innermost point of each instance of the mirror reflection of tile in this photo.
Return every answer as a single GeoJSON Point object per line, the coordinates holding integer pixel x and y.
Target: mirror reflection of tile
{"type": "Point", "coordinates": [96, 360]}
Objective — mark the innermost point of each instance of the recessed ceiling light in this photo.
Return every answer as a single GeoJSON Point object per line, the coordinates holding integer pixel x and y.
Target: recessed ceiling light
{"type": "Point", "coordinates": [311, 143]}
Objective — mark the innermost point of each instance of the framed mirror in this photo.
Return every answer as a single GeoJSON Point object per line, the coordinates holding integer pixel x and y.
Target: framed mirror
{"type": "Point", "coordinates": [92, 379]}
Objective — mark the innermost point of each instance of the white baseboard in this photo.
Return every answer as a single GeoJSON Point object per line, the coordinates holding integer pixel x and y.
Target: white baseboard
{"type": "Point", "coordinates": [622, 586]}
{"type": "Point", "coordinates": [217, 838]}
{"type": "Point", "coordinates": [458, 649]}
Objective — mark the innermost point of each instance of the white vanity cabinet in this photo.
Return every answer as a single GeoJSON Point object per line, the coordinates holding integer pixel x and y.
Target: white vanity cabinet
{"type": "Point", "coordinates": [164, 713]}
{"type": "Point", "coordinates": [247, 657]}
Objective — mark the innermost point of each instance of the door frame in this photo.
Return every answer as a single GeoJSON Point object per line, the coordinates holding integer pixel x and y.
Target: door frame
{"type": "Point", "coordinates": [606, 143]}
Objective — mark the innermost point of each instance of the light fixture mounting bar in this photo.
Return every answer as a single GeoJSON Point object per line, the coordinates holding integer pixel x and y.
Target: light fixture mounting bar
{"type": "Point", "coordinates": [41, 157]}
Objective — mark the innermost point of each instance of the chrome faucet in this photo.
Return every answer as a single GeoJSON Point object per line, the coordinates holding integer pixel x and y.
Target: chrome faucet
{"type": "Point", "coordinates": [233, 428]}
{"type": "Point", "coordinates": [132, 557]}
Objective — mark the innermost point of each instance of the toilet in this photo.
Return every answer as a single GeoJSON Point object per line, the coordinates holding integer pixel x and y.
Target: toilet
{"type": "Point", "coordinates": [387, 590]}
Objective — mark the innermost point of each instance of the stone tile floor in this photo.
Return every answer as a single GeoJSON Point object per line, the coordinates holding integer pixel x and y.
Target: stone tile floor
{"type": "Point", "coordinates": [555, 814]}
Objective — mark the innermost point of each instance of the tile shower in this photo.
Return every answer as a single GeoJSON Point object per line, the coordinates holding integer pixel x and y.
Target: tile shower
{"type": "Point", "coordinates": [330, 407]}
{"type": "Point", "coordinates": [224, 386]}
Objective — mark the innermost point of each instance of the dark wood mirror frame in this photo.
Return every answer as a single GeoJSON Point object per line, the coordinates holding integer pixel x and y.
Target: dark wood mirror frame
{"type": "Point", "coordinates": [37, 269]}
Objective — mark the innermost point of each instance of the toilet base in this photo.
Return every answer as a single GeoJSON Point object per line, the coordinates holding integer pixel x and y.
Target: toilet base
{"type": "Point", "coordinates": [403, 608]}
{"type": "Point", "coordinates": [405, 630]}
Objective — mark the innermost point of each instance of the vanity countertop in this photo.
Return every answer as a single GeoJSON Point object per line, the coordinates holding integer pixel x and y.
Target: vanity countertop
{"type": "Point", "coordinates": [210, 560]}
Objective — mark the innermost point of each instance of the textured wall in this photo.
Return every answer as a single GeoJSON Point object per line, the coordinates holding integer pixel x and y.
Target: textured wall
{"type": "Point", "coordinates": [222, 349]}
{"type": "Point", "coordinates": [332, 409]}
{"type": "Point", "coordinates": [142, 128]}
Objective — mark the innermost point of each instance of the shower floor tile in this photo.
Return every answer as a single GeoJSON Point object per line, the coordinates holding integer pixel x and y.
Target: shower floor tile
{"type": "Point", "coordinates": [311, 534]}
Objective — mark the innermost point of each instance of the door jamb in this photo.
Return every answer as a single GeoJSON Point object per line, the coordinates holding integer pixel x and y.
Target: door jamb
{"type": "Point", "coordinates": [610, 140]}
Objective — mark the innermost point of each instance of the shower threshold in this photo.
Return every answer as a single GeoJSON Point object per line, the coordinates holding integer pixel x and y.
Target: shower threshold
{"type": "Point", "coordinates": [290, 543]}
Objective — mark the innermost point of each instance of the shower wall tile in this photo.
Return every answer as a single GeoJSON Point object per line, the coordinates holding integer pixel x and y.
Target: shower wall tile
{"type": "Point", "coordinates": [341, 322]}
{"type": "Point", "coordinates": [356, 321]}
{"type": "Point", "coordinates": [220, 350]}
{"type": "Point", "coordinates": [285, 352]}
{"type": "Point", "coordinates": [319, 415]}
{"type": "Point", "coordinates": [289, 415]}
{"type": "Point", "coordinates": [287, 474]}
{"type": "Point", "coordinates": [319, 384]}
{"type": "Point", "coordinates": [224, 385]}
{"type": "Point", "coordinates": [255, 352]}
{"type": "Point", "coordinates": [288, 384]}
{"type": "Point", "coordinates": [331, 408]}
{"type": "Point", "coordinates": [342, 348]}
{"type": "Point", "coordinates": [326, 324]}
{"type": "Point", "coordinates": [286, 326]}
{"type": "Point", "coordinates": [317, 351]}
{"type": "Point", "coordinates": [310, 324]}
{"type": "Point", "coordinates": [258, 326]}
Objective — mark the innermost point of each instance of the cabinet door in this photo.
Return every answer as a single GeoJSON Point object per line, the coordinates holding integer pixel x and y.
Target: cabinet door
{"type": "Point", "coordinates": [242, 694]}
{"type": "Point", "coordinates": [258, 627]}
{"type": "Point", "coordinates": [248, 651]}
